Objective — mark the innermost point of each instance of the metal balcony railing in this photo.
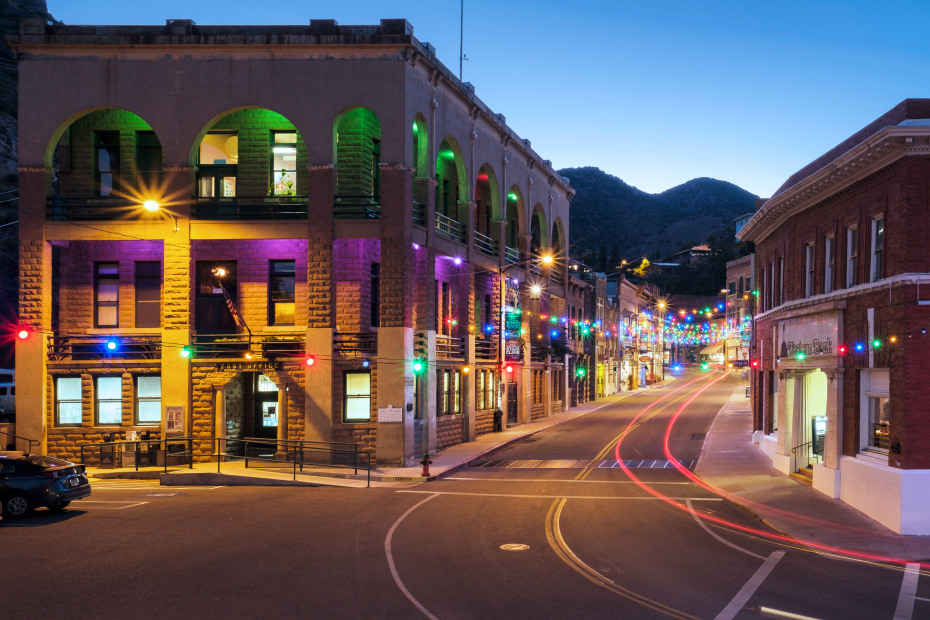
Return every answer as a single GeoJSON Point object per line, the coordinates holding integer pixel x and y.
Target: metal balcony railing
{"type": "Point", "coordinates": [63, 209]}
{"type": "Point", "coordinates": [221, 345]}
{"type": "Point", "coordinates": [353, 207]}
{"type": "Point", "coordinates": [485, 244]}
{"type": "Point", "coordinates": [250, 208]}
{"type": "Point", "coordinates": [450, 348]}
{"type": "Point", "coordinates": [354, 345]}
{"type": "Point", "coordinates": [449, 226]}
{"type": "Point", "coordinates": [124, 346]}
{"type": "Point", "coordinates": [486, 350]}
{"type": "Point", "coordinates": [557, 277]}
{"type": "Point", "coordinates": [419, 213]}
{"type": "Point", "coordinates": [511, 255]}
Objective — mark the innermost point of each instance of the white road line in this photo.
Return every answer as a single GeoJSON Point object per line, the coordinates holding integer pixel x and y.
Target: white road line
{"type": "Point", "coordinates": [749, 588]}
{"type": "Point", "coordinates": [548, 480]}
{"type": "Point", "coordinates": [905, 608]}
{"type": "Point", "coordinates": [768, 612]}
{"type": "Point", "coordinates": [561, 495]}
{"type": "Point", "coordinates": [700, 521]}
{"type": "Point", "coordinates": [390, 558]}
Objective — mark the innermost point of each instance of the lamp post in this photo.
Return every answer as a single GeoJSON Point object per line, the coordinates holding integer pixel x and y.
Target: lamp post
{"type": "Point", "coordinates": [545, 259]}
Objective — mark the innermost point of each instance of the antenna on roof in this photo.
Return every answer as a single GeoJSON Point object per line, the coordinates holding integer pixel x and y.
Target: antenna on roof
{"type": "Point", "coordinates": [461, 36]}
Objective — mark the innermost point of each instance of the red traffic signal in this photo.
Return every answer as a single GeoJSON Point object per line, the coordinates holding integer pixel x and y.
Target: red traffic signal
{"type": "Point", "coordinates": [311, 360]}
{"type": "Point", "coordinates": [754, 363]}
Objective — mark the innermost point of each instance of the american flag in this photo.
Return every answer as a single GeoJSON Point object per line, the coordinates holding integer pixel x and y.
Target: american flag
{"type": "Point", "coordinates": [234, 311]}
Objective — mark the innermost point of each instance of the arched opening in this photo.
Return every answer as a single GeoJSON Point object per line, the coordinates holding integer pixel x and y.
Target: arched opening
{"type": "Point", "coordinates": [514, 217]}
{"type": "Point", "coordinates": [357, 153]}
{"type": "Point", "coordinates": [487, 210]}
{"type": "Point", "coordinates": [106, 164]}
{"type": "Point", "coordinates": [450, 186]}
{"type": "Point", "coordinates": [248, 167]}
{"type": "Point", "coordinates": [539, 238]}
{"type": "Point", "coordinates": [421, 169]}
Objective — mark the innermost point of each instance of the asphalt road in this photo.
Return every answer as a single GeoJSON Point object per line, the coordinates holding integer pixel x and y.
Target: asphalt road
{"type": "Point", "coordinates": [552, 527]}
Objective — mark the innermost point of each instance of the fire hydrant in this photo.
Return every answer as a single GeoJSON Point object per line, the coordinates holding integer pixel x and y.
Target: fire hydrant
{"type": "Point", "coordinates": [425, 462]}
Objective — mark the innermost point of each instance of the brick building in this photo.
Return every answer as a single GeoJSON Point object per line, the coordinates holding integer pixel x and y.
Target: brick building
{"type": "Point", "coordinates": [256, 231]}
{"type": "Point", "coordinates": [841, 265]}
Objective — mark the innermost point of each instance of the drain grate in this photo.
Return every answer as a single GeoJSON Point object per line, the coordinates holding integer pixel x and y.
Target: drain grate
{"type": "Point", "coordinates": [701, 436]}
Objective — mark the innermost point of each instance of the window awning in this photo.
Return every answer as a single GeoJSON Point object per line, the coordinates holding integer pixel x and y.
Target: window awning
{"type": "Point", "coordinates": [712, 349]}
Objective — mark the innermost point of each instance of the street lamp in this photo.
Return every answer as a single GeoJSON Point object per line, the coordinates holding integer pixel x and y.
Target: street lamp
{"type": "Point", "coordinates": [154, 206]}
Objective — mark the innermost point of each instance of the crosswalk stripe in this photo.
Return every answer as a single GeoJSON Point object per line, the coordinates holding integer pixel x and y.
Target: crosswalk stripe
{"type": "Point", "coordinates": [581, 464]}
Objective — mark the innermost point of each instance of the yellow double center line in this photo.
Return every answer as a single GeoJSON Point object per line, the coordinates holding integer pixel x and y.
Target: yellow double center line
{"type": "Point", "coordinates": [564, 552]}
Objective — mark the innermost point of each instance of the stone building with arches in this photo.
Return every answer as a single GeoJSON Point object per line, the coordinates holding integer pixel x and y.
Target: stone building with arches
{"type": "Point", "coordinates": [839, 341]}
{"type": "Point", "coordinates": [307, 232]}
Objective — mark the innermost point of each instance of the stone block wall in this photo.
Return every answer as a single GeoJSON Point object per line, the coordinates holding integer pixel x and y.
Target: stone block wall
{"type": "Point", "coordinates": [76, 279]}
{"type": "Point", "coordinates": [254, 127]}
{"type": "Point", "coordinates": [252, 258]}
{"type": "Point", "coordinates": [353, 259]}
{"type": "Point", "coordinates": [76, 152]}
{"type": "Point", "coordinates": [357, 142]}
{"type": "Point", "coordinates": [66, 441]}
{"type": "Point", "coordinates": [450, 430]}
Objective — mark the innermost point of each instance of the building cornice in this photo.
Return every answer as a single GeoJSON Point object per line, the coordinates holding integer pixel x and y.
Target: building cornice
{"type": "Point", "coordinates": [870, 156]}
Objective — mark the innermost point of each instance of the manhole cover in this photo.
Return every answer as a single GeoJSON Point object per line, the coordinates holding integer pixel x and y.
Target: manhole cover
{"type": "Point", "coordinates": [701, 436]}
{"type": "Point", "coordinates": [515, 547]}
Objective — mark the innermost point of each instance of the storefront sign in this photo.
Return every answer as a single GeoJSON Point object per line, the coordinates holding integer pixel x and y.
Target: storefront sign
{"type": "Point", "coordinates": [815, 335]}
{"type": "Point", "coordinates": [248, 366]}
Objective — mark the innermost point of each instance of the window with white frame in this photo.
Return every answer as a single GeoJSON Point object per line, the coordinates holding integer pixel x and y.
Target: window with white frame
{"type": "Point", "coordinates": [106, 294]}
{"type": "Point", "coordinates": [148, 399]}
{"type": "Point", "coordinates": [809, 270]}
{"type": "Point", "coordinates": [852, 255]}
{"type": "Point", "coordinates": [109, 401]}
{"type": "Point", "coordinates": [357, 396]}
{"type": "Point", "coordinates": [875, 410]}
{"type": "Point", "coordinates": [68, 401]}
{"type": "Point", "coordinates": [828, 264]}
{"type": "Point", "coordinates": [878, 246]}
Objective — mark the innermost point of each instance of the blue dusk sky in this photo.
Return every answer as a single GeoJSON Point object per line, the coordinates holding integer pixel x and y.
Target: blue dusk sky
{"type": "Point", "coordinates": [656, 93]}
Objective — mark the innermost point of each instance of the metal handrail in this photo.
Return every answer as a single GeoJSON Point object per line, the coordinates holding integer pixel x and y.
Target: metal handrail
{"type": "Point", "coordinates": [294, 452]}
{"type": "Point", "coordinates": [486, 349]}
{"type": "Point", "coordinates": [511, 255]}
{"type": "Point", "coordinates": [355, 343]}
{"type": "Point", "coordinates": [163, 444]}
{"type": "Point", "coordinates": [31, 442]}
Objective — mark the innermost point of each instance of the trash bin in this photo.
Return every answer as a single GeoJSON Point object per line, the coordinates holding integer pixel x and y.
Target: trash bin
{"type": "Point", "coordinates": [498, 420]}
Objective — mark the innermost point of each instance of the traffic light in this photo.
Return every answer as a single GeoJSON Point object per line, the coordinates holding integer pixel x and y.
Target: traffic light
{"type": "Point", "coordinates": [705, 366]}
{"type": "Point", "coordinates": [311, 360]}
{"type": "Point", "coordinates": [755, 364]}
{"type": "Point", "coordinates": [580, 372]}
{"type": "Point", "coordinates": [419, 366]}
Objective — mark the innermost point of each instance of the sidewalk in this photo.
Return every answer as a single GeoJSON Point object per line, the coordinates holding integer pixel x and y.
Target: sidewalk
{"type": "Point", "coordinates": [744, 474]}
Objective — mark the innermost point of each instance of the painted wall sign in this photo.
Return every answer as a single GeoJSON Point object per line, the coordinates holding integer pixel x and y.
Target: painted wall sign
{"type": "Point", "coordinates": [815, 335]}
{"type": "Point", "coordinates": [248, 366]}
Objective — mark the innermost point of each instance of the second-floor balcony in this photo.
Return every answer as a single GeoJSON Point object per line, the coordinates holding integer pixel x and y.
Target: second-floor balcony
{"type": "Point", "coordinates": [357, 207]}
{"type": "Point", "coordinates": [485, 245]}
{"type": "Point", "coordinates": [97, 347]}
{"type": "Point", "coordinates": [250, 208]}
{"type": "Point", "coordinates": [451, 227]}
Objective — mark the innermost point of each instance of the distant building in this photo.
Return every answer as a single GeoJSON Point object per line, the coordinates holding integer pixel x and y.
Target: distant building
{"type": "Point", "coordinates": [693, 257]}
{"type": "Point", "coordinates": [843, 275]}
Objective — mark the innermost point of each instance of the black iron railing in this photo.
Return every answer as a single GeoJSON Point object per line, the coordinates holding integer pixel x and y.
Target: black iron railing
{"type": "Point", "coordinates": [250, 208]}
{"type": "Point", "coordinates": [350, 207]}
{"type": "Point", "coordinates": [128, 347]}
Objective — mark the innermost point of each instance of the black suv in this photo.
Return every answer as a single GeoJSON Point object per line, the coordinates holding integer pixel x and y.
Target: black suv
{"type": "Point", "coordinates": [29, 482]}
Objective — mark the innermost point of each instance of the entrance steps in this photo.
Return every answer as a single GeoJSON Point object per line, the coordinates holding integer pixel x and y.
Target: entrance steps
{"type": "Point", "coordinates": [805, 475]}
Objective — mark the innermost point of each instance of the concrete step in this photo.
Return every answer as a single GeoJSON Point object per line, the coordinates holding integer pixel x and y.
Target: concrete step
{"type": "Point", "coordinates": [805, 475]}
